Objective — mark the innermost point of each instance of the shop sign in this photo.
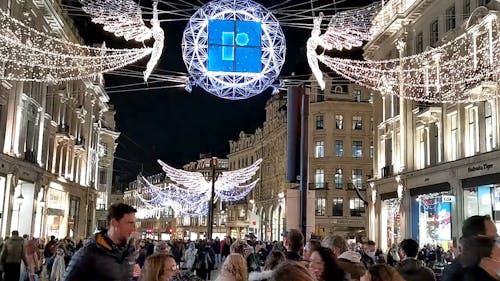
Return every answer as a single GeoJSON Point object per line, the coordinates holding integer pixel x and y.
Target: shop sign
{"type": "Point", "coordinates": [447, 198]}
{"type": "Point", "coordinates": [480, 167]}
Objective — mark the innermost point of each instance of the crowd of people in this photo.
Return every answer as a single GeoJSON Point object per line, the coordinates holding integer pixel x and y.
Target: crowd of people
{"type": "Point", "coordinates": [116, 255]}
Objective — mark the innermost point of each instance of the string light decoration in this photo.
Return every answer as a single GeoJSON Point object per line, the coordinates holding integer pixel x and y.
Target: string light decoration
{"type": "Point", "coordinates": [233, 49]}
{"type": "Point", "coordinates": [124, 18]}
{"type": "Point", "coordinates": [346, 30]}
{"type": "Point", "coordinates": [463, 70]}
{"type": "Point", "coordinates": [29, 55]}
{"type": "Point", "coordinates": [191, 194]}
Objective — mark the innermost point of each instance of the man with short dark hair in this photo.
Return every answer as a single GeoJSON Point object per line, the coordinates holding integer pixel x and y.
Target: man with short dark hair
{"type": "Point", "coordinates": [109, 254]}
{"type": "Point", "coordinates": [410, 267]}
{"type": "Point", "coordinates": [13, 252]}
{"type": "Point", "coordinates": [371, 255]}
{"type": "Point", "coordinates": [472, 227]}
{"type": "Point", "coordinates": [294, 242]}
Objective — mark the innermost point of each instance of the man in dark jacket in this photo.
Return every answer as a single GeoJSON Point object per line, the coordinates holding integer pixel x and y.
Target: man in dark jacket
{"type": "Point", "coordinates": [294, 242]}
{"type": "Point", "coordinates": [473, 226]}
{"type": "Point", "coordinates": [109, 255]}
{"type": "Point", "coordinates": [13, 252]}
{"type": "Point", "coordinates": [410, 267]}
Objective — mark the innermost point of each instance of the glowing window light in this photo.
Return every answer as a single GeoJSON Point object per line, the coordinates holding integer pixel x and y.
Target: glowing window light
{"type": "Point", "coordinates": [245, 55]}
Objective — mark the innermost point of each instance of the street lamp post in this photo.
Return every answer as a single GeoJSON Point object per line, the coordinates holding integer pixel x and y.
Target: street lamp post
{"type": "Point", "coordinates": [213, 164]}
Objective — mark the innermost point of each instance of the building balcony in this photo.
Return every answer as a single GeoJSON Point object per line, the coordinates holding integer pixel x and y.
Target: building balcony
{"type": "Point", "coordinates": [318, 185]}
{"type": "Point", "coordinates": [30, 156]}
{"type": "Point", "coordinates": [387, 171]}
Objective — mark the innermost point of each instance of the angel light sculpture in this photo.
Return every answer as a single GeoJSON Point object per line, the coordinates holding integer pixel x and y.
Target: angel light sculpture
{"type": "Point", "coordinates": [124, 19]}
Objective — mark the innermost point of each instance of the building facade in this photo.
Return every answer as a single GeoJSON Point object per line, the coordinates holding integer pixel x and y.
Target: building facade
{"type": "Point", "coordinates": [341, 154]}
{"type": "Point", "coordinates": [435, 164]}
{"type": "Point", "coordinates": [166, 224]}
{"type": "Point", "coordinates": [49, 135]}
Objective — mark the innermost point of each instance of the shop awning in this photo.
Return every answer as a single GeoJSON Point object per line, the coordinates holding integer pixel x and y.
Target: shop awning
{"type": "Point", "coordinates": [433, 188]}
{"type": "Point", "coordinates": [481, 180]}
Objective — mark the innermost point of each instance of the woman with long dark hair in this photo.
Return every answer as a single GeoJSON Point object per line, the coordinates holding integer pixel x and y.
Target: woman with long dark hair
{"type": "Point", "coordinates": [324, 266]}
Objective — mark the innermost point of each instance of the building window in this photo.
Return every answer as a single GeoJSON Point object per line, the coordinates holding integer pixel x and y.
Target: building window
{"type": "Point", "coordinates": [319, 122]}
{"type": "Point", "coordinates": [319, 178]}
{"type": "Point", "coordinates": [319, 152]}
{"type": "Point", "coordinates": [320, 95]}
{"type": "Point", "coordinates": [422, 148]}
{"type": "Point", "coordinates": [450, 18]}
{"type": "Point", "coordinates": [357, 123]}
{"type": "Point", "coordinates": [483, 2]}
{"type": "Point", "coordinates": [490, 127]}
{"type": "Point", "coordinates": [337, 207]}
{"type": "Point", "coordinates": [338, 90]}
{"type": "Point", "coordinates": [372, 150]}
{"type": "Point", "coordinates": [186, 220]}
{"type": "Point", "coordinates": [357, 149]}
{"type": "Point", "coordinates": [357, 178]}
{"type": "Point", "coordinates": [419, 43]}
{"type": "Point", "coordinates": [356, 206]}
{"type": "Point", "coordinates": [103, 175]}
{"type": "Point", "coordinates": [339, 178]}
{"type": "Point", "coordinates": [357, 95]}
{"type": "Point", "coordinates": [466, 9]}
{"type": "Point", "coordinates": [434, 33]}
{"type": "Point", "coordinates": [472, 140]}
{"type": "Point", "coordinates": [320, 206]}
{"type": "Point", "coordinates": [339, 148]}
{"type": "Point", "coordinates": [453, 137]}
{"type": "Point", "coordinates": [339, 122]}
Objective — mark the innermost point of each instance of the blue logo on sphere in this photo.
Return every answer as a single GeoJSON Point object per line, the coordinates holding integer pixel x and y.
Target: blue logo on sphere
{"type": "Point", "coordinates": [234, 46]}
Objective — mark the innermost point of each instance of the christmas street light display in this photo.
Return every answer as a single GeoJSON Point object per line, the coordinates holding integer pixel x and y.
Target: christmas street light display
{"type": "Point", "coordinates": [233, 49]}
{"type": "Point", "coordinates": [29, 55]}
{"type": "Point", "coordinates": [456, 72]}
{"type": "Point", "coordinates": [346, 30]}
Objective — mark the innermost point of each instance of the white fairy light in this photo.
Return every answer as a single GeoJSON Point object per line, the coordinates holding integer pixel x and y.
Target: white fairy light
{"type": "Point", "coordinates": [233, 70]}
{"type": "Point", "coordinates": [29, 55]}
{"type": "Point", "coordinates": [346, 30]}
{"type": "Point", "coordinates": [463, 64]}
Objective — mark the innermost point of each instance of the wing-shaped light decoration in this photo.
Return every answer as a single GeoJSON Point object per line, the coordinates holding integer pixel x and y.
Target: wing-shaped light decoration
{"type": "Point", "coordinates": [187, 179]}
{"type": "Point", "coordinates": [350, 28]}
{"type": "Point", "coordinates": [232, 179]}
{"type": "Point", "coordinates": [124, 19]}
{"type": "Point", "coordinates": [237, 193]}
{"type": "Point", "coordinates": [460, 71]}
{"type": "Point", "coordinates": [121, 17]}
{"type": "Point", "coordinates": [27, 54]}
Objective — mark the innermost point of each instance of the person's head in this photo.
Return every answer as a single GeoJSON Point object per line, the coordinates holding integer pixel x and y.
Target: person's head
{"type": "Point", "coordinates": [310, 247]}
{"type": "Point", "coordinates": [323, 264]}
{"type": "Point", "coordinates": [159, 267]}
{"type": "Point", "coordinates": [292, 271]}
{"type": "Point", "coordinates": [240, 247]}
{"type": "Point", "coordinates": [52, 238]}
{"type": "Point", "coordinates": [479, 225]}
{"type": "Point", "coordinates": [474, 249]}
{"type": "Point", "coordinates": [236, 266]}
{"type": "Point", "coordinates": [337, 244]}
{"type": "Point", "coordinates": [15, 233]}
{"type": "Point", "coordinates": [121, 219]}
{"type": "Point", "coordinates": [381, 272]}
{"type": "Point", "coordinates": [60, 251]}
{"type": "Point", "coordinates": [294, 241]}
{"type": "Point", "coordinates": [408, 248]}
{"type": "Point", "coordinates": [369, 248]}
{"type": "Point", "coordinates": [273, 259]}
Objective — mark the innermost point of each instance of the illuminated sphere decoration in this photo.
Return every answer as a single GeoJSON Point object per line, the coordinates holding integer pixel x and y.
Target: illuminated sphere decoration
{"type": "Point", "coordinates": [233, 49]}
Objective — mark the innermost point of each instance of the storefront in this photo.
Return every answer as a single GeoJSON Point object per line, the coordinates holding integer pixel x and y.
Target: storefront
{"type": "Point", "coordinates": [57, 203]}
{"type": "Point", "coordinates": [390, 219]}
{"type": "Point", "coordinates": [482, 196]}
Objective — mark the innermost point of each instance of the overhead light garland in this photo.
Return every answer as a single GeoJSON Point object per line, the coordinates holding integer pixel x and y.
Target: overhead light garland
{"type": "Point", "coordinates": [346, 30]}
{"type": "Point", "coordinates": [29, 55]}
{"type": "Point", "coordinates": [445, 74]}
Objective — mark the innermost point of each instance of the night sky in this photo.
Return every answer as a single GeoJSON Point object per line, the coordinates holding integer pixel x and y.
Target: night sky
{"type": "Point", "coordinates": [172, 124]}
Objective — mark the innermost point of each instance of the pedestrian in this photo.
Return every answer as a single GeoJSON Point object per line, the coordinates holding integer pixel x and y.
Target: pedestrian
{"type": "Point", "coordinates": [480, 259]}
{"type": "Point", "coordinates": [109, 255]}
{"type": "Point", "coordinates": [159, 267]}
{"type": "Point", "coordinates": [382, 272]}
{"type": "Point", "coordinates": [292, 271]}
{"type": "Point", "coordinates": [234, 268]}
{"type": "Point", "coordinates": [190, 257]}
{"type": "Point", "coordinates": [310, 247]}
{"type": "Point", "coordinates": [216, 246]}
{"type": "Point", "coordinates": [204, 261]}
{"type": "Point", "coordinates": [323, 265]}
{"type": "Point", "coordinates": [350, 263]}
{"type": "Point", "coordinates": [410, 268]}
{"type": "Point", "coordinates": [274, 259]}
{"type": "Point", "coordinates": [371, 255]}
{"type": "Point", "coordinates": [59, 265]}
{"type": "Point", "coordinates": [294, 242]}
{"type": "Point", "coordinates": [13, 252]}
{"type": "Point", "coordinates": [472, 227]}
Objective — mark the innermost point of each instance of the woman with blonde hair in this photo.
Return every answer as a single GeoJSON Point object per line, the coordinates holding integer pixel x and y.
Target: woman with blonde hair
{"type": "Point", "coordinates": [234, 269]}
{"type": "Point", "coordinates": [381, 272]}
{"type": "Point", "coordinates": [159, 267]}
{"type": "Point", "coordinates": [292, 271]}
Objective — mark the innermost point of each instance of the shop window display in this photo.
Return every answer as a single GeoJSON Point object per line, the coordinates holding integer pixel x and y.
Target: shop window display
{"type": "Point", "coordinates": [431, 219]}
{"type": "Point", "coordinates": [483, 200]}
{"type": "Point", "coordinates": [391, 220]}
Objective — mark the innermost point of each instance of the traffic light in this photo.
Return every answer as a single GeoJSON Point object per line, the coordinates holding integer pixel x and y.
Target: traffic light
{"type": "Point", "coordinates": [170, 231]}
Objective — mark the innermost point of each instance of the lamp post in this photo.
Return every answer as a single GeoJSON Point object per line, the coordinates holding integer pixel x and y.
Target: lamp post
{"type": "Point", "coordinates": [19, 199]}
{"type": "Point", "coordinates": [213, 164]}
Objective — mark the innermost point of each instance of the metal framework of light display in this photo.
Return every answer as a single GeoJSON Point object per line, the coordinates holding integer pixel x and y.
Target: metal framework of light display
{"type": "Point", "coordinates": [463, 70]}
{"type": "Point", "coordinates": [29, 55]}
{"type": "Point", "coordinates": [191, 193]}
{"type": "Point", "coordinates": [346, 30]}
{"type": "Point", "coordinates": [233, 49]}
{"type": "Point", "coordinates": [124, 18]}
